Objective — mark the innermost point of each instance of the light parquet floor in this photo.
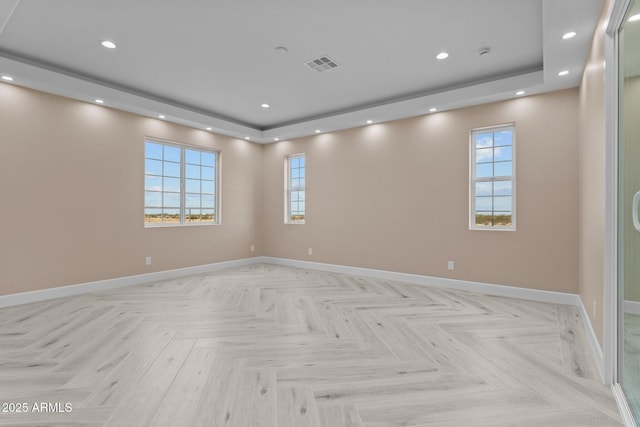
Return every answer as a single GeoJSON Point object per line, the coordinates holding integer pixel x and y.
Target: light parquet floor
{"type": "Point", "coordinates": [275, 346]}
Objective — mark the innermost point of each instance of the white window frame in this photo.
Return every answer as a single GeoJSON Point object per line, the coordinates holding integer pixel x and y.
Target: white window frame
{"type": "Point", "coordinates": [182, 209]}
{"type": "Point", "coordinates": [473, 179]}
{"type": "Point", "coordinates": [289, 189]}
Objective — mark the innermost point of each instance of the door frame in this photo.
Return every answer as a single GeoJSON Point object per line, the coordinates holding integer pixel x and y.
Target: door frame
{"type": "Point", "coordinates": [611, 295]}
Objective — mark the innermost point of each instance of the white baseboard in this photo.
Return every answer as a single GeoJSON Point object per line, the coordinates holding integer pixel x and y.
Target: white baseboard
{"type": "Point", "coordinates": [477, 287]}
{"type": "Point", "coordinates": [632, 307]}
{"type": "Point", "coordinates": [65, 291]}
{"type": "Point", "coordinates": [483, 288]}
{"type": "Point", "coordinates": [596, 348]}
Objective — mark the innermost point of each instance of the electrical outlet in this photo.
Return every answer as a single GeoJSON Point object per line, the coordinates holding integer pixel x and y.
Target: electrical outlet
{"type": "Point", "coordinates": [252, 248]}
{"type": "Point", "coordinates": [310, 251]}
{"type": "Point", "coordinates": [147, 260]}
{"type": "Point", "coordinates": [450, 265]}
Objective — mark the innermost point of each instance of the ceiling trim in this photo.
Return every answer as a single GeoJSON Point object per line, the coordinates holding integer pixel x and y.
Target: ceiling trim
{"type": "Point", "coordinates": [52, 81]}
{"type": "Point", "coordinates": [557, 16]}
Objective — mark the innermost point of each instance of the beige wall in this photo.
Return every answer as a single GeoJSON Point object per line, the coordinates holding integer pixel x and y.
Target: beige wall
{"type": "Point", "coordinates": [395, 196]}
{"type": "Point", "coordinates": [391, 196]}
{"type": "Point", "coordinates": [72, 196]}
{"type": "Point", "coordinates": [591, 170]}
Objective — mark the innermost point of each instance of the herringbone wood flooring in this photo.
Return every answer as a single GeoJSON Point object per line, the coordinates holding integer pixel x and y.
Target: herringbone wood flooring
{"type": "Point", "coordinates": [274, 346]}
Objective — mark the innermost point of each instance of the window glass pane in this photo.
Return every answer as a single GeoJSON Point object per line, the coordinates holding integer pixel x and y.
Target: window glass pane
{"type": "Point", "coordinates": [192, 200]}
{"type": "Point", "coordinates": [484, 170]}
{"type": "Point", "coordinates": [484, 140]}
{"type": "Point", "coordinates": [171, 200]}
{"type": "Point", "coordinates": [503, 219]}
{"type": "Point", "coordinates": [502, 188]}
{"type": "Point", "coordinates": [152, 199]}
{"type": "Point", "coordinates": [208, 159]}
{"type": "Point", "coordinates": [208, 201]}
{"type": "Point", "coordinates": [484, 155]}
{"type": "Point", "coordinates": [172, 185]}
{"type": "Point", "coordinates": [484, 219]}
{"type": "Point", "coordinates": [153, 167]}
{"type": "Point", "coordinates": [152, 151]}
{"type": "Point", "coordinates": [171, 216]}
{"type": "Point", "coordinates": [484, 203]}
{"type": "Point", "coordinates": [192, 156]}
{"type": "Point", "coordinates": [172, 169]}
{"type": "Point", "coordinates": [494, 159]}
{"type": "Point", "coordinates": [171, 154]}
{"type": "Point", "coordinates": [296, 185]}
{"type": "Point", "coordinates": [504, 137]}
{"type": "Point", "coordinates": [192, 185]}
{"type": "Point", "coordinates": [208, 214]}
{"type": "Point", "coordinates": [502, 169]}
{"type": "Point", "coordinates": [191, 215]}
{"type": "Point", "coordinates": [153, 183]}
{"type": "Point", "coordinates": [208, 187]}
{"type": "Point", "coordinates": [502, 153]}
{"type": "Point", "coordinates": [208, 173]}
{"type": "Point", "coordinates": [483, 189]}
{"type": "Point", "coordinates": [191, 171]}
{"type": "Point", "coordinates": [152, 216]}
{"type": "Point", "coordinates": [502, 203]}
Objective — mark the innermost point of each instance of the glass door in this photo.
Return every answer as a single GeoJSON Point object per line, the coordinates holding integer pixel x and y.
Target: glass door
{"type": "Point", "coordinates": [629, 210]}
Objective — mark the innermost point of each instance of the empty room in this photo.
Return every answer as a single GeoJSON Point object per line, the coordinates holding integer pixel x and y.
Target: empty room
{"type": "Point", "coordinates": [329, 214]}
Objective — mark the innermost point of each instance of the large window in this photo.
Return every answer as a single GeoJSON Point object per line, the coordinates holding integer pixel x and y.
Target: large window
{"type": "Point", "coordinates": [493, 178]}
{"type": "Point", "coordinates": [180, 184]}
{"type": "Point", "coordinates": [295, 184]}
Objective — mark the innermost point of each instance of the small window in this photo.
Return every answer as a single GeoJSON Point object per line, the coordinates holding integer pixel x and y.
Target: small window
{"type": "Point", "coordinates": [492, 192]}
{"type": "Point", "coordinates": [180, 184]}
{"type": "Point", "coordinates": [295, 184]}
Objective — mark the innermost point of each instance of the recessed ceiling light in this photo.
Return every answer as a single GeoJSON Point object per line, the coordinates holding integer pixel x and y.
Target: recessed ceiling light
{"type": "Point", "coordinates": [433, 110]}
{"type": "Point", "coordinates": [99, 101]}
{"type": "Point", "coordinates": [209, 128]}
{"type": "Point", "coordinates": [442, 55]}
{"type": "Point", "coordinates": [276, 139]}
{"type": "Point", "coordinates": [563, 73]}
{"type": "Point", "coordinates": [569, 35]}
{"type": "Point", "coordinates": [369, 122]}
{"type": "Point", "coordinates": [247, 138]}
{"type": "Point", "coordinates": [265, 105]}
{"type": "Point", "coordinates": [634, 18]}
{"type": "Point", "coordinates": [520, 92]}
{"type": "Point", "coordinates": [317, 130]}
{"type": "Point", "coordinates": [108, 44]}
{"type": "Point", "coordinates": [7, 78]}
{"type": "Point", "coordinates": [160, 116]}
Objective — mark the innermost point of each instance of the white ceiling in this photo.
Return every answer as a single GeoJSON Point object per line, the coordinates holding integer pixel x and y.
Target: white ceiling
{"type": "Point", "coordinates": [211, 64]}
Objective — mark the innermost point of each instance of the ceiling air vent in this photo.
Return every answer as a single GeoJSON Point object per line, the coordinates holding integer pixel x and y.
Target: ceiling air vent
{"type": "Point", "coordinates": [321, 64]}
